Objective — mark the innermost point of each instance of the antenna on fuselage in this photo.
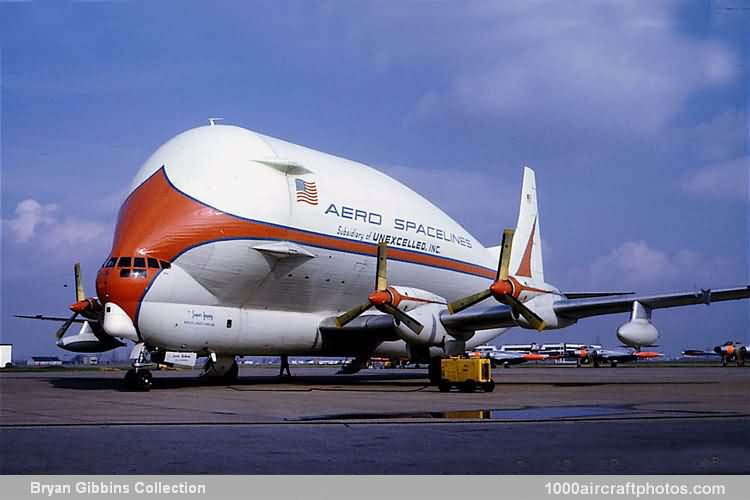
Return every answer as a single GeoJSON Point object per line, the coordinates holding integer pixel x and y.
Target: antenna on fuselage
{"type": "Point", "coordinates": [212, 121]}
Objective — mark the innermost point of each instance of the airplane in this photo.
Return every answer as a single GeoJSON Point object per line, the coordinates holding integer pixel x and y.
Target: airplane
{"type": "Point", "coordinates": [231, 242]}
{"type": "Point", "coordinates": [507, 358]}
{"type": "Point", "coordinates": [728, 351]}
{"type": "Point", "coordinates": [596, 355]}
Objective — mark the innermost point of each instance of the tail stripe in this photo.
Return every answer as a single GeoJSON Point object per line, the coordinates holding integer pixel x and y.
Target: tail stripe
{"type": "Point", "coordinates": [524, 268]}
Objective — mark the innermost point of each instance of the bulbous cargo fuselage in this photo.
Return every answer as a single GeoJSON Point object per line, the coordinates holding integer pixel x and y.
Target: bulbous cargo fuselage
{"type": "Point", "coordinates": [224, 229]}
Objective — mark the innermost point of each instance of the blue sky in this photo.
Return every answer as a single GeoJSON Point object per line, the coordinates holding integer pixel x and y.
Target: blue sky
{"type": "Point", "coordinates": [634, 115]}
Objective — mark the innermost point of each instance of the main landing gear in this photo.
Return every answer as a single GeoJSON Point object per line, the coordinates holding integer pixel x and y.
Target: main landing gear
{"type": "Point", "coordinates": [139, 377]}
{"type": "Point", "coordinates": [221, 369]}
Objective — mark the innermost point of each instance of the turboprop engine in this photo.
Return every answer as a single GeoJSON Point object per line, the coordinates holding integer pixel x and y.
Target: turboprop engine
{"type": "Point", "coordinates": [423, 308]}
{"type": "Point", "coordinates": [91, 337]}
{"type": "Point", "coordinates": [638, 331]}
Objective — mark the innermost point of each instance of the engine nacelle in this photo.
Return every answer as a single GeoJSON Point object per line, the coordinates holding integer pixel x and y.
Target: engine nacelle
{"type": "Point", "coordinates": [639, 331]}
{"type": "Point", "coordinates": [543, 306]}
{"type": "Point", "coordinates": [425, 307]}
{"type": "Point", "coordinates": [88, 341]}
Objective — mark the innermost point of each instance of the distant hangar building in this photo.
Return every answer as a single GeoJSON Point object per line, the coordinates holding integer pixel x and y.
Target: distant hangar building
{"type": "Point", "coordinates": [6, 355]}
{"type": "Point", "coordinates": [43, 361]}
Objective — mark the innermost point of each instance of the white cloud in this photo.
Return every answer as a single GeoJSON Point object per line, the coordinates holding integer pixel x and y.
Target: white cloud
{"type": "Point", "coordinates": [721, 138]}
{"type": "Point", "coordinates": [599, 66]}
{"type": "Point", "coordinates": [30, 215]}
{"type": "Point", "coordinates": [727, 180]}
{"type": "Point", "coordinates": [637, 266]}
{"type": "Point", "coordinates": [42, 227]}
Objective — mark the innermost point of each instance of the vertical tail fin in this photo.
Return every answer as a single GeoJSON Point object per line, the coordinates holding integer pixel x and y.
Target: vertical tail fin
{"type": "Point", "coordinates": [526, 256]}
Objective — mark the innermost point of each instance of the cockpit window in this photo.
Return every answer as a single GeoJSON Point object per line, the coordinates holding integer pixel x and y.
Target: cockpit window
{"type": "Point", "coordinates": [138, 273]}
{"type": "Point", "coordinates": [124, 262]}
{"type": "Point", "coordinates": [165, 264]}
{"type": "Point", "coordinates": [139, 262]}
{"type": "Point", "coordinates": [111, 262]}
{"type": "Point", "coordinates": [125, 272]}
{"type": "Point", "coordinates": [153, 263]}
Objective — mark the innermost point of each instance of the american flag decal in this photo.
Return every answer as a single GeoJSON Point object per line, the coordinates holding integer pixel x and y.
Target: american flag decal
{"type": "Point", "coordinates": [307, 192]}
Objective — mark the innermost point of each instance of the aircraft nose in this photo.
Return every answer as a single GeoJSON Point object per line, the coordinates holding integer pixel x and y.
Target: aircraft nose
{"type": "Point", "coordinates": [124, 279]}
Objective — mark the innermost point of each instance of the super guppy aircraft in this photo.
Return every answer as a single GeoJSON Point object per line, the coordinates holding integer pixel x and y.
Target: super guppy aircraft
{"type": "Point", "coordinates": [235, 243]}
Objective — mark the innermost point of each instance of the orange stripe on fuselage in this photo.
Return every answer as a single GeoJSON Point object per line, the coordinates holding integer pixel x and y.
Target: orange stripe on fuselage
{"type": "Point", "coordinates": [157, 220]}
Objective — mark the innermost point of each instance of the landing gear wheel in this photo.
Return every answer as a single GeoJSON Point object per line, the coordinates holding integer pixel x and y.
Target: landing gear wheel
{"type": "Point", "coordinates": [488, 386]}
{"type": "Point", "coordinates": [469, 386]}
{"type": "Point", "coordinates": [144, 381]}
{"type": "Point", "coordinates": [444, 386]}
{"type": "Point", "coordinates": [130, 379]}
{"type": "Point", "coordinates": [138, 380]}
{"type": "Point", "coordinates": [434, 371]}
{"type": "Point", "coordinates": [231, 376]}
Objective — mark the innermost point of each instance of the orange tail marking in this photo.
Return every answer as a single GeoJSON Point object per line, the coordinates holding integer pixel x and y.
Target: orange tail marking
{"type": "Point", "coordinates": [524, 268]}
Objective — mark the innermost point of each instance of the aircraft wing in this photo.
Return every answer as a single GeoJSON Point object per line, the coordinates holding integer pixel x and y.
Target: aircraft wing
{"type": "Point", "coordinates": [499, 316]}
{"type": "Point", "coordinates": [584, 308]}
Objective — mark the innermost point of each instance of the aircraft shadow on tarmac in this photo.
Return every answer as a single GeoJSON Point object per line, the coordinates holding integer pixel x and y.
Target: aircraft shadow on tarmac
{"type": "Point", "coordinates": [370, 382]}
{"type": "Point", "coordinates": [305, 382]}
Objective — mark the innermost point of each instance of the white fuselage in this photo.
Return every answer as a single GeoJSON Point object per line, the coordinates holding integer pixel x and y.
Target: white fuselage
{"type": "Point", "coordinates": [258, 260]}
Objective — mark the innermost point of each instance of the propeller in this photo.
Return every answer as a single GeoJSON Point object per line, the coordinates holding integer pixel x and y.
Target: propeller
{"type": "Point", "coordinates": [82, 304]}
{"type": "Point", "coordinates": [502, 289]}
{"type": "Point", "coordinates": [383, 298]}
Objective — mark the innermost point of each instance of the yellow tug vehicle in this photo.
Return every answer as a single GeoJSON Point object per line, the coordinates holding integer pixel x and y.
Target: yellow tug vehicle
{"type": "Point", "coordinates": [466, 374]}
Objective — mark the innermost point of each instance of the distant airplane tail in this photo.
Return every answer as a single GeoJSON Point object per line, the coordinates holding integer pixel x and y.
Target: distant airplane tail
{"type": "Point", "coordinates": [526, 256]}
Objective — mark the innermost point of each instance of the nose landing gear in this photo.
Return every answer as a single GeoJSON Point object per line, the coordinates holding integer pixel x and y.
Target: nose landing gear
{"type": "Point", "coordinates": [139, 377]}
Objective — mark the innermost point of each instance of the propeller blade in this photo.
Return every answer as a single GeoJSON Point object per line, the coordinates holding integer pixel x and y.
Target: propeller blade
{"type": "Point", "coordinates": [349, 315]}
{"type": "Point", "coordinates": [505, 249]}
{"type": "Point", "coordinates": [461, 304]}
{"type": "Point", "coordinates": [64, 328]}
{"type": "Point", "coordinates": [502, 274]}
{"type": "Point", "coordinates": [411, 323]}
{"type": "Point", "coordinates": [80, 294]}
{"type": "Point", "coordinates": [381, 270]}
{"type": "Point", "coordinates": [534, 321]}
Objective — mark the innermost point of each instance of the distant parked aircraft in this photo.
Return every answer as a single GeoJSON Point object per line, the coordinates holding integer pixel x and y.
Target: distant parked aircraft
{"type": "Point", "coordinates": [596, 355]}
{"type": "Point", "coordinates": [728, 351]}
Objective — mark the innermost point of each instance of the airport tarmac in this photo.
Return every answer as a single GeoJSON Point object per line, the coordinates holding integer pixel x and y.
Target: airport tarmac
{"type": "Point", "coordinates": [629, 420]}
